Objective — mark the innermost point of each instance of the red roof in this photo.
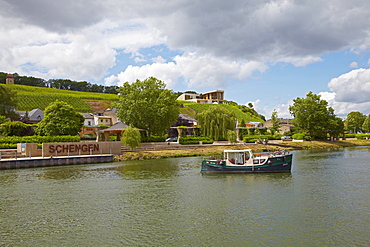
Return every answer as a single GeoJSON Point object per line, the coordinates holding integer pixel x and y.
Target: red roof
{"type": "Point", "coordinates": [9, 76]}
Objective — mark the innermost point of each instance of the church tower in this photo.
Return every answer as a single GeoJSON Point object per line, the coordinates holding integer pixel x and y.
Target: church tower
{"type": "Point", "coordinates": [9, 79]}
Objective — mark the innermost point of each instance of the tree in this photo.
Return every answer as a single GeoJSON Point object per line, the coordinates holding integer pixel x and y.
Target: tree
{"type": "Point", "coordinates": [148, 105]}
{"type": "Point", "coordinates": [131, 138]}
{"type": "Point", "coordinates": [355, 121]}
{"type": "Point", "coordinates": [366, 124]}
{"type": "Point", "coordinates": [60, 119]}
{"type": "Point", "coordinates": [312, 115]}
{"type": "Point", "coordinates": [275, 123]}
{"type": "Point", "coordinates": [8, 102]}
{"type": "Point", "coordinates": [231, 136]}
{"type": "Point", "coordinates": [216, 121]}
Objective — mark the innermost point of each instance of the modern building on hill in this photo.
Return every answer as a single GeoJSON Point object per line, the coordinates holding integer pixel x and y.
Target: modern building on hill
{"type": "Point", "coordinates": [9, 79]}
{"type": "Point", "coordinates": [285, 125]}
{"type": "Point", "coordinates": [212, 97]}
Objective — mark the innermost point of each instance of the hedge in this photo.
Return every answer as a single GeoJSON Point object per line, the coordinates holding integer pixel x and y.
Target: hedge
{"type": "Point", "coordinates": [195, 140]}
{"type": "Point", "coordinates": [362, 136]}
{"type": "Point", "coordinates": [38, 139]}
{"type": "Point", "coordinates": [153, 139]}
{"type": "Point", "coordinates": [254, 138]}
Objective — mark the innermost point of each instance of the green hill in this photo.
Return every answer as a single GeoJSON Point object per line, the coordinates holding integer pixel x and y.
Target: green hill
{"type": "Point", "coordinates": [40, 97]}
{"type": "Point", "coordinates": [193, 108]}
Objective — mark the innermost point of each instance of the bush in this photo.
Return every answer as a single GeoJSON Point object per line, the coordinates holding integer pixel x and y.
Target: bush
{"type": "Point", "coordinates": [38, 139]}
{"type": "Point", "coordinates": [362, 136]}
{"type": "Point", "coordinates": [195, 140]}
{"type": "Point", "coordinates": [153, 139]}
{"type": "Point", "coordinates": [351, 135]}
{"type": "Point", "coordinates": [301, 136]}
{"type": "Point", "coordinates": [254, 138]}
{"type": "Point", "coordinates": [8, 146]}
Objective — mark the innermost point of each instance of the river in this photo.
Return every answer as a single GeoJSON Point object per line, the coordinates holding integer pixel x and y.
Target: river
{"type": "Point", "coordinates": [325, 201]}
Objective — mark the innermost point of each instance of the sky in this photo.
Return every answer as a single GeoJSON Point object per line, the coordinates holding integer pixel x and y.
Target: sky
{"type": "Point", "coordinates": [259, 51]}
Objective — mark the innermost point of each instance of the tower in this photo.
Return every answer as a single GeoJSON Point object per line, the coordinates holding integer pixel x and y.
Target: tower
{"type": "Point", "coordinates": [9, 79]}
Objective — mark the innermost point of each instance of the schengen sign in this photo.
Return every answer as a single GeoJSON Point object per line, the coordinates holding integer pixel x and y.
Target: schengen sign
{"type": "Point", "coordinates": [72, 148]}
{"type": "Point", "coordinates": [78, 148]}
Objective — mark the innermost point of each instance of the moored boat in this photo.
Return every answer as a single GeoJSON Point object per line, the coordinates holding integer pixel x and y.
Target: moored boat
{"type": "Point", "coordinates": [244, 161]}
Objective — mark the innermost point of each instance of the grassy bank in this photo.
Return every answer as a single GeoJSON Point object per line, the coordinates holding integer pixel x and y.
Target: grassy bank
{"type": "Point", "coordinates": [218, 150]}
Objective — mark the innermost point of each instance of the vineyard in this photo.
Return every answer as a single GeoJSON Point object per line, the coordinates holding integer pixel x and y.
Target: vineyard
{"type": "Point", "coordinates": [39, 97]}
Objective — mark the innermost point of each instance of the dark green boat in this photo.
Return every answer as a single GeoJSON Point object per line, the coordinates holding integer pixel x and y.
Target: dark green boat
{"type": "Point", "coordinates": [244, 161]}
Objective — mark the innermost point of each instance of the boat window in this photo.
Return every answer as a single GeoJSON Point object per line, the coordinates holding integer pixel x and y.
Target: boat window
{"type": "Point", "coordinates": [263, 160]}
{"type": "Point", "coordinates": [236, 158]}
{"type": "Point", "coordinates": [255, 161]}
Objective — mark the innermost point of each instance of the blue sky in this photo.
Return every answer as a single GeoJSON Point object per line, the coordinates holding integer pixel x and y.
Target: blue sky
{"type": "Point", "coordinates": [267, 52]}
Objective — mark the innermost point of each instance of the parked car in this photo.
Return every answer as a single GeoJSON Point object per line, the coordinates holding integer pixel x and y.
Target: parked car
{"type": "Point", "coordinates": [171, 139]}
{"type": "Point", "coordinates": [286, 138]}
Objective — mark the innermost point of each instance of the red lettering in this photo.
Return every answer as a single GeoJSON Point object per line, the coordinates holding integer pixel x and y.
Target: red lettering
{"type": "Point", "coordinates": [72, 148]}
{"type": "Point", "coordinates": [58, 148]}
{"type": "Point", "coordinates": [96, 147]}
{"type": "Point", "coordinates": [84, 148]}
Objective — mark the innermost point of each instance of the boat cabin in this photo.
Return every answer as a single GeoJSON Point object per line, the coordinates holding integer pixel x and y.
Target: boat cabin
{"type": "Point", "coordinates": [238, 157]}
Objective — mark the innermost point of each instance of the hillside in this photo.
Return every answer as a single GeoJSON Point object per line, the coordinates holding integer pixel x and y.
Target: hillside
{"type": "Point", "coordinates": [193, 108]}
{"type": "Point", "coordinates": [30, 97]}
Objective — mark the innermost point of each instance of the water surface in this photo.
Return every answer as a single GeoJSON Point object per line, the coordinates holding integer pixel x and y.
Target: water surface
{"type": "Point", "coordinates": [323, 202]}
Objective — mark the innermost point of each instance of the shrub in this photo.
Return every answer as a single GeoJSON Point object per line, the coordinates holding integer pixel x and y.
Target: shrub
{"type": "Point", "coordinates": [153, 139]}
{"type": "Point", "coordinates": [254, 138]}
{"type": "Point", "coordinates": [301, 136]}
{"type": "Point", "coordinates": [195, 140]}
{"type": "Point", "coordinates": [38, 139]}
{"type": "Point", "coordinates": [351, 135]}
{"type": "Point", "coordinates": [362, 136]}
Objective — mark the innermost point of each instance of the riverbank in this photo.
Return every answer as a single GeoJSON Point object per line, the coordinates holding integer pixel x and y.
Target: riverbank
{"type": "Point", "coordinates": [218, 149]}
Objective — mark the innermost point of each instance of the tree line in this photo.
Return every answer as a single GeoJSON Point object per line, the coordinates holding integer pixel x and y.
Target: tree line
{"type": "Point", "coordinates": [66, 84]}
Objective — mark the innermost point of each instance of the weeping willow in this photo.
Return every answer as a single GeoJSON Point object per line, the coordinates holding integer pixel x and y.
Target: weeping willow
{"type": "Point", "coordinates": [216, 121]}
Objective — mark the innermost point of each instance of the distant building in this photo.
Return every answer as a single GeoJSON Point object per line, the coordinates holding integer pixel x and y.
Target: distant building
{"type": "Point", "coordinates": [212, 97]}
{"type": "Point", "coordinates": [34, 116]}
{"type": "Point", "coordinates": [285, 125]}
{"type": "Point", "coordinates": [9, 79]}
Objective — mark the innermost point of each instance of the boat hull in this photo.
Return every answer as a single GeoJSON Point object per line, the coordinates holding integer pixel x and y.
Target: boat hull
{"type": "Point", "coordinates": [273, 166]}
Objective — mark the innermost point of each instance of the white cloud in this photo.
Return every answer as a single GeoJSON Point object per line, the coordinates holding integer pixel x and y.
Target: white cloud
{"type": "Point", "coordinates": [353, 65]}
{"type": "Point", "coordinates": [197, 71]}
{"type": "Point", "coordinates": [353, 86]}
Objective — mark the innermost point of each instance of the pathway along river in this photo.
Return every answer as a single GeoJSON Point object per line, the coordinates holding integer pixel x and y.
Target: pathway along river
{"type": "Point", "coordinates": [325, 201]}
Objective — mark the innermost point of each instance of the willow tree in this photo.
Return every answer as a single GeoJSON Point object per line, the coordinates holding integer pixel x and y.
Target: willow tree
{"type": "Point", "coordinates": [216, 121]}
{"type": "Point", "coordinates": [131, 137]}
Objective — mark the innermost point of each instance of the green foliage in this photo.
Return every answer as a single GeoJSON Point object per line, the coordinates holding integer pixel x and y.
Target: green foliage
{"type": "Point", "coordinates": [366, 124]}
{"type": "Point", "coordinates": [275, 123]}
{"type": "Point", "coordinates": [239, 114]}
{"type": "Point", "coordinates": [312, 115]}
{"type": "Point", "coordinates": [60, 119]}
{"type": "Point", "coordinates": [301, 136]}
{"type": "Point", "coordinates": [29, 97]}
{"type": "Point", "coordinates": [231, 136]}
{"type": "Point", "coordinates": [8, 102]}
{"type": "Point", "coordinates": [38, 139]}
{"type": "Point", "coordinates": [3, 119]}
{"type": "Point", "coordinates": [8, 146]}
{"type": "Point", "coordinates": [362, 136]}
{"type": "Point", "coordinates": [216, 121]}
{"type": "Point", "coordinates": [148, 105]}
{"type": "Point", "coordinates": [355, 121]}
{"type": "Point", "coordinates": [131, 138]}
{"type": "Point", "coordinates": [188, 140]}
{"type": "Point", "coordinates": [153, 139]}
{"type": "Point", "coordinates": [350, 135]}
{"type": "Point", "coordinates": [254, 138]}
{"type": "Point", "coordinates": [13, 128]}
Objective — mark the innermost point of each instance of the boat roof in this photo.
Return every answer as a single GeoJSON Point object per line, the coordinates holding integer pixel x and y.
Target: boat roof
{"type": "Point", "coordinates": [238, 151]}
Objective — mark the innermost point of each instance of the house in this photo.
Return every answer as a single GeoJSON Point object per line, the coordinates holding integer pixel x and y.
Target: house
{"type": "Point", "coordinates": [34, 116]}
{"type": "Point", "coordinates": [183, 120]}
{"type": "Point", "coordinates": [212, 97]}
{"type": "Point", "coordinates": [89, 119]}
{"type": "Point", "coordinates": [285, 125]}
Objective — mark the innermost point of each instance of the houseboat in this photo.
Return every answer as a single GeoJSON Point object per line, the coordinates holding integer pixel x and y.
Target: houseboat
{"type": "Point", "coordinates": [244, 161]}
